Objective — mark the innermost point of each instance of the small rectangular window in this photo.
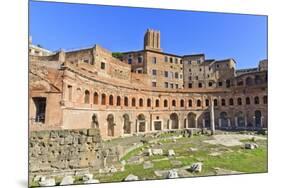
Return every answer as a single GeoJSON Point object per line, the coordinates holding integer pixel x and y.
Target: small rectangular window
{"type": "Point", "coordinates": [153, 84]}
{"type": "Point", "coordinates": [102, 65]}
{"type": "Point", "coordinates": [166, 84]}
{"type": "Point", "coordinates": [171, 85]}
{"type": "Point", "coordinates": [154, 72]}
{"type": "Point", "coordinates": [190, 85]}
{"type": "Point", "coordinates": [154, 60]}
{"type": "Point", "coordinates": [166, 73]}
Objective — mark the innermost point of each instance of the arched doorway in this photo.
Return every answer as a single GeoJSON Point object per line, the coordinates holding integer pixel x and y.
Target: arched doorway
{"type": "Point", "coordinates": [110, 125]}
{"type": "Point", "coordinates": [127, 124]}
{"type": "Point", "coordinates": [95, 122]}
{"type": "Point", "coordinates": [240, 119]}
{"type": "Point", "coordinates": [141, 123]}
{"type": "Point", "coordinates": [224, 119]}
{"type": "Point", "coordinates": [174, 121]}
{"type": "Point", "coordinates": [191, 118]}
{"type": "Point", "coordinates": [258, 118]}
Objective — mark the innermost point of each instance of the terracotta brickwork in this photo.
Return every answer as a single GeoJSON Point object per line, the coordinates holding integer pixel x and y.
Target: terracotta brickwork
{"type": "Point", "coordinates": [143, 91]}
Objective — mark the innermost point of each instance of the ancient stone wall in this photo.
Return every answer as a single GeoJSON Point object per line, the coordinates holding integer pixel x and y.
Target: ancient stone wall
{"type": "Point", "coordinates": [61, 151]}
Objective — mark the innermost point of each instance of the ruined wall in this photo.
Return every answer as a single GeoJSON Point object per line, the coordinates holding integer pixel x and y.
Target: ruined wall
{"type": "Point", "coordinates": [60, 151]}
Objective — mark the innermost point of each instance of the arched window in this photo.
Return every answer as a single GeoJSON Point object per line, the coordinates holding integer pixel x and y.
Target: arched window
{"type": "Point", "coordinates": [96, 98]}
{"type": "Point", "coordinates": [141, 102]}
{"type": "Point", "coordinates": [215, 102]}
{"type": "Point", "coordinates": [148, 103]}
{"type": "Point", "coordinates": [157, 103]}
{"type": "Point", "coordinates": [182, 103]}
{"type": "Point", "coordinates": [111, 100]}
{"type": "Point", "coordinates": [223, 102]}
{"type": "Point", "coordinates": [189, 103]}
{"type": "Point", "coordinates": [118, 102]}
{"type": "Point", "coordinates": [239, 101]}
{"type": "Point", "coordinates": [103, 99]}
{"type": "Point", "coordinates": [126, 101]}
{"type": "Point", "coordinates": [87, 97]}
{"type": "Point", "coordinates": [257, 100]}
{"type": "Point", "coordinates": [198, 102]}
{"type": "Point", "coordinates": [207, 102]}
{"type": "Point", "coordinates": [165, 103]}
{"type": "Point", "coordinates": [265, 99]}
{"type": "Point", "coordinates": [133, 102]}
{"type": "Point", "coordinates": [248, 101]}
{"type": "Point", "coordinates": [174, 103]}
{"type": "Point", "coordinates": [231, 102]}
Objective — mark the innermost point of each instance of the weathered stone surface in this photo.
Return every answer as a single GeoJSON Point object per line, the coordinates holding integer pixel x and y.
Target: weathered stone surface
{"type": "Point", "coordinates": [148, 152]}
{"type": "Point", "coordinates": [147, 165]}
{"type": "Point", "coordinates": [251, 146]}
{"type": "Point", "coordinates": [47, 182]}
{"type": "Point", "coordinates": [193, 149]}
{"type": "Point", "coordinates": [172, 174]}
{"type": "Point", "coordinates": [171, 153]}
{"type": "Point", "coordinates": [157, 151]}
{"type": "Point", "coordinates": [175, 163]}
{"type": "Point", "coordinates": [91, 181]}
{"type": "Point", "coordinates": [67, 180]}
{"type": "Point", "coordinates": [196, 167]}
{"type": "Point", "coordinates": [87, 177]}
{"type": "Point", "coordinates": [135, 160]}
{"type": "Point", "coordinates": [131, 177]}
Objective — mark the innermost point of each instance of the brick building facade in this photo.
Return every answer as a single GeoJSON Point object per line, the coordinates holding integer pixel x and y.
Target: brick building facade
{"type": "Point", "coordinates": [143, 91]}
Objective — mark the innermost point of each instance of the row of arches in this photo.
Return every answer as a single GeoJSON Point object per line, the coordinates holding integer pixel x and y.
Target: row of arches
{"type": "Point", "coordinates": [174, 103]}
{"type": "Point", "coordinates": [191, 120]}
{"type": "Point", "coordinates": [239, 101]}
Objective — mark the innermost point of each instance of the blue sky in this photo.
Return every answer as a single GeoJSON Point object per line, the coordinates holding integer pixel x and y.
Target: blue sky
{"type": "Point", "coordinates": [67, 26]}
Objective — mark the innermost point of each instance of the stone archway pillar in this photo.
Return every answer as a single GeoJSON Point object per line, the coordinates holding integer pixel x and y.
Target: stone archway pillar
{"type": "Point", "coordinates": [219, 122]}
{"type": "Point", "coordinates": [228, 122]}
{"type": "Point", "coordinates": [137, 126]}
{"type": "Point", "coordinates": [236, 122]}
{"type": "Point", "coordinates": [254, 120]}
{"type": "Point", "coordinates": [246, 123]}
{"type": "Point", "coordinates": [186, 123]}
{"type": "Point", "coordinates": [196, 122]}
{"type": "Point", "coordinates": [262, 118]}
{"type": "Point", "coordinates": [146, 128]}
{"type": "Point", "coordinates": [203, 123]}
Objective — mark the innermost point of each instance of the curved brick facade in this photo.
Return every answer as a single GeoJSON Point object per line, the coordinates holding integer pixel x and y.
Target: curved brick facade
{"type": "Point", "coordinates": [143, 91]}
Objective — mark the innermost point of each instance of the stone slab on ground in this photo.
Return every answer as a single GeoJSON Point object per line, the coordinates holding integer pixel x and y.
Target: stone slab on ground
{"type": "Point", "coordinates": [67, 180]}
{"type": "Point", "coordinates": [147, 165]}
{"type": "Point", "coordinates": [131, 177]}
{"type": "Point", "coordinates": [175, 163]}
{"type": "Point", "coordinates": [231, 139]}
{"type": "Point", "coordinates": [220, 171]}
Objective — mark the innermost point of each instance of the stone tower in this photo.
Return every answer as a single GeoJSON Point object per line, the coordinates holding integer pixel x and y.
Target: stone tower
{"type": "Point", "coordinates": [152, 40]}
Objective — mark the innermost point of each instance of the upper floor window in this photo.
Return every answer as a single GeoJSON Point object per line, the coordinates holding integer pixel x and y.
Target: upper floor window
{"type": "Point", "coordinates": [153, 84]}
{"type": "Point", "coordinates": [177, 86]}
{"type": "Point", "coordinates": [198, 61]}
{"type": "Point", "coordinates": [130, 61]}
{"type": "Point", "coordinates": [176, 60]}
{"type": "Point", "coordinates": [154, 72]}
{"type": "Point", "coordinates": [139, 59]}
{"type": "Point", "coordinates": [166, 59]}
{"type": "Point", "coordinates": [154, 60]}
{"type": "Point", "coordinates": [166, 73]}
{"type": "Point", "coordinates": [102, 65]}
{"type": "Point", "coordinates": [166, 84]}
{"type": "Point", "coordinates": [172, 85]}
{"type": "Point", "coordinates": [171, 60]}
{"type": "Point", "coordinates": [176, 75]}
